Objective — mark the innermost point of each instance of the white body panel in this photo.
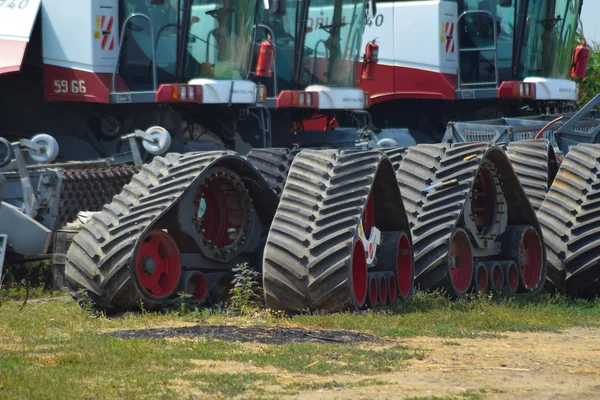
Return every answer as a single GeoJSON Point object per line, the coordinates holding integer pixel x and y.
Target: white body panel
{"type": "Point", "coordinates": [219, 91]}
{"type": "Point", "coordinates": [73, 34]}
{"type": "Point", "coordinates": [17, 18]}
{"type": "Point", "coordinates": [416, 34]}
{"type": "Point", "coordinates": [553, 89]}
{"type": "Point", "coordinates": [338, 98]}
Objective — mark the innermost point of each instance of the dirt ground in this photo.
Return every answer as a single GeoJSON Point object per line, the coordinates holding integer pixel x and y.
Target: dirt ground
{"type": "Point", "coordinates": [518, 366]}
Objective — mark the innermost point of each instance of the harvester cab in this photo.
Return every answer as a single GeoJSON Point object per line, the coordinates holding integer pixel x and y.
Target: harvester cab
{"type": "Point", "coordinates": [317, 45]}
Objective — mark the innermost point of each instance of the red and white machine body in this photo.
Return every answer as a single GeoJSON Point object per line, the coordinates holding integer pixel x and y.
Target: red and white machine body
{"type": "Point", "coordinates": [418, 57]}
{"type": "Point", "coordinates": [80, 40]}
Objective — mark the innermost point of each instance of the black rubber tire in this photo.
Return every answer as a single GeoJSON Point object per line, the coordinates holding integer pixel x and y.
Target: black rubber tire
{"type": "Point", "coordinates": [274, 164]}
{"type": "Point", "coordinates": [535, 165]}
{"type": "Point", "coordinates": [570, 219]}
{"type": "Point", "coordinates": [102, 253]}
{"type": "Point", "coordinates": [308, 255]}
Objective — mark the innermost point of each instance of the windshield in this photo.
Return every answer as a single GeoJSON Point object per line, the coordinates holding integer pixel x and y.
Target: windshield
{"type": "Point", "coordinates": [220, 39]}
{"type": "Point", "coordinates": [218, 42]}
{"type": "Point", "coordinates": [332, 42]}
{"type": "Point", "coordinates": [549, 38]}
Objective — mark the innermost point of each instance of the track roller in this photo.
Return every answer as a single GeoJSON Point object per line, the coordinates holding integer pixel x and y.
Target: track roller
{"type": "Point", "coordinates": [382, 288]}
{"type": "Point", "coordinates": [462, 201]}
{"type": "Point", "coordinates": [480, 278]}
{"type": "Point", "coordinates": [334, 215]}
{"type": "Point", "coordinates": [526, 249]}
{"type": "Point", "coordinates": [372, 295]}
{"type": "Point", "coordinates": [395, 256]}
{"type": "Point", "coordinates": [392, 285]}
{"type": "Point", "coordinates": [195, 284]}
{"type": "Point", "coordinates": [495, 275]}
{"type": "Point", "coordinates": [511, 276]}
{"type": "Point", "coordinates": [134, 249]}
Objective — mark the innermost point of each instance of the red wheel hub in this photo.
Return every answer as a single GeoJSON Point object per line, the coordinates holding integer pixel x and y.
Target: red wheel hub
{"type": "Point", "coordinates": [483, 202]}
{"type": "Point", "coordinates": [359, 273]}
{"type": "Point", "coordinates": [220, 210]}
{"type": "Point", "coordinates": [404, 267]}
{"type": "Point", "coordinates": [461, 261]}
{"type": "Point", "coordinates": [530, 258]}
{"type": "Point", "coordinates": [158, 265]}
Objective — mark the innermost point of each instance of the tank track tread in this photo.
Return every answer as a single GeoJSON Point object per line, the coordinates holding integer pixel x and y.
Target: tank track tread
{"type": "Point", "coordinates": [570, 219]}
{"type": "Point", "coordinates": [415, 172]}
{"type": "Point", "coordinates": [307, 257]}
{"type": "Point", "coordinates": [274, 164]}
{"type": "Point", "coordinates": [100, 257]}
{"type": "Point", "coordinates": [535, 165]}
{"type": "Point", "coordinates": [438, 213]}
{"type": "Point", "coordinates": [396, 154]}
{"type": "Point", "coordinates": [90, 189]}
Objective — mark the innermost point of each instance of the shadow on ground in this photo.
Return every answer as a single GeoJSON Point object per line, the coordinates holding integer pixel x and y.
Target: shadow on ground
{"type": "Point", "coordinates": [264, 335]}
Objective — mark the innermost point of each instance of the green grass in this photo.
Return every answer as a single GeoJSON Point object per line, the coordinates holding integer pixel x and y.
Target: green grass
{"type": "Point", "coordinates": [51, 346]}
{"type": "Point", "coordinates": [435, 315]}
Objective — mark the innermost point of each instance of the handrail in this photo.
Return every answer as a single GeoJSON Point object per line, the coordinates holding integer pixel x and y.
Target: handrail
{"type": "Point", "coordinates": [314, 66]}
{"type": "Point", "coordinates": [132, 16]}
{"type": "Point", "coordinates": [494, 49]}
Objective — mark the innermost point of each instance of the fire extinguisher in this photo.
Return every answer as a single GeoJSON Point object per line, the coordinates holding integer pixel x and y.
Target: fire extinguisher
{"type": "Point", "coordinates": [266, 52]}
{"type": "Point", "coordinates": [370, 60]}
{"type": "Point", "coordinates": [581, 57]}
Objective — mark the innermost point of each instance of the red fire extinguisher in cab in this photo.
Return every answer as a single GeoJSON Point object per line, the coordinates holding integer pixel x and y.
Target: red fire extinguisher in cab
{"type": "Point", "coordinates": [370, 60]}
{"type": "Point", "coordinates": [264, 64]}
{"type": "Point", "coordinates": [581, 57]}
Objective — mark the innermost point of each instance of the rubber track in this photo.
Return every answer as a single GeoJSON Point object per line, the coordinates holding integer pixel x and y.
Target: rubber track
{"type": "Point", "coordinates": [396, 154]}
{"type": "Point", "coordinates": [416, 172]}
{"type": "Point", "coordinates": [99, 258]}
{"type": "Point", "coordinates": [274, 164]}
{"type": "Point", "coordinates": [535, 165]}
{"type": "Point", "coordinates": [570, 219]}
{"type": "Point", "coordinates": [308, 251]}
{"type": "Point", "coordinates": [435, 215]}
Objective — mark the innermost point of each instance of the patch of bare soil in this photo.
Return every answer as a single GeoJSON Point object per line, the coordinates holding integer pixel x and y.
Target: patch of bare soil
{"type": "Point", "coordinates": [252, 334]}
{"type": "Point", "coordinates": [519, 366]}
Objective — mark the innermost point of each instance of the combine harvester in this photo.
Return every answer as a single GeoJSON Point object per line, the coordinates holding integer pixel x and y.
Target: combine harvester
{"type": "Point", "coordinates": [466, 60]}
{"type": "Point", "coordinates": [331, 229]}
{"type": "Point", "coordinates": [490, 59]}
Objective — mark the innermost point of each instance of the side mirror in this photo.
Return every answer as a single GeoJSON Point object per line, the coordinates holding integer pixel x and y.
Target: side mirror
{"type": "Point", "coordinates": [505, 3]}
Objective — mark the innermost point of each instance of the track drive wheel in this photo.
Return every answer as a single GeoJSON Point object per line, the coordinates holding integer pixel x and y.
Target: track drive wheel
{"type": "Point", "coordinates": [460, 264]}
{"type": "Point", "coordinates": [157, 265]}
